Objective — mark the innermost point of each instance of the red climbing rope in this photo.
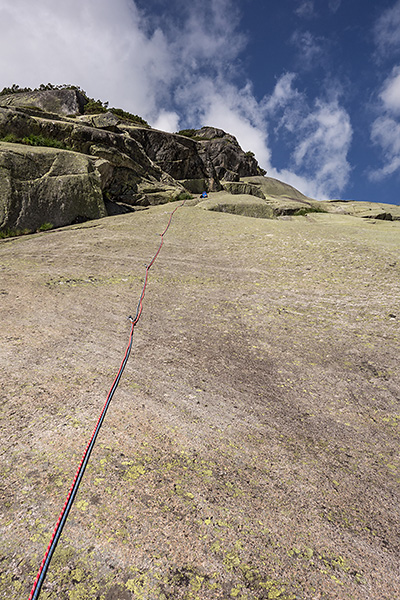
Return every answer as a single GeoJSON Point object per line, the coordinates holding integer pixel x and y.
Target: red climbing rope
{"type": "Point", "coordinates": [40, 577]}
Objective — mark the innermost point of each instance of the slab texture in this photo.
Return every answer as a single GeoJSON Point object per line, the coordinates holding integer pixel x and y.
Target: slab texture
{"type": "Point", "coordinates": [251, 450]}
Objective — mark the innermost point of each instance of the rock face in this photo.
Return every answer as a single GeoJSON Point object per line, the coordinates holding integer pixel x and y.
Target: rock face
{"type": "Point", "coordinates": [129, 165]}
{"type": "Point", "coordinates": [59, 165]}
{"type": "Point", "coordinates": [62, 102]}
{"type": "Point", "coordinates": [45, 185]}
{"type": "Point", "coordinates": [181, 157]}
{"type": "Point", "coordinates": [229, 160]}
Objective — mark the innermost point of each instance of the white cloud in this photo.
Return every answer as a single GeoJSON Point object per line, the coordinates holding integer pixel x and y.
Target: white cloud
{"type": "Point", "coordinates": [320, 136]}
{"type": "Point", "coordinates": [385, 130]}
{"type": "Point", "coordinates": [167, 121]}
{"type": "Point", "coordinates": [283, 93]}
{"type": "Point", "coordinates": [209, 35]}
{"type": "Point", "coordinates": [386, 134]}
{"type": "Point", "coordinates": [390, 94]}
{"type": "Point", "coordinates": [231, 115]}
{"type": "Point", "coordinates": [326, 136]}
{"type": "Point", "coordinates": [305, 9]}
{"type": "Point", "coordinates": [387, 30]}
{"type": "Point", "coordinates": [216, 102]}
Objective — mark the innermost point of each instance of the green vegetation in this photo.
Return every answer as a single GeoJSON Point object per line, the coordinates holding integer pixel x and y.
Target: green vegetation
{"type": "Point", "coordinates": [95, 107]}
{"type": "Point", "coordinates": [187, 132]}
{"type": "Point", "coordinates": [91, 107]}
{"type": "Point", "coordinates": [15, 89]}
{"type": "Point", "coordinates": [123, 114]}
{"type": "Point", "coordinates": [191, 133]}
{"type": "Point", "coordinates": [46, 227]}
{"type": "Point", "coordinates": [98, 107]}
{"type": "Point", "coordinates": [11, 139]}
{"type": "Point", "coordinates": [183, 196]}
{"type": "Point", "coordinates": [9, 233]}
{"type": "Point", "coordinates": [40, 140]}
{"type": "Point", "coordinates": [34, 140]}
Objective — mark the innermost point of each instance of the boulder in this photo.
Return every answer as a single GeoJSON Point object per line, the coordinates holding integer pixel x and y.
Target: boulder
{"type": "Point", "coordinates": [47, 185]}
{"type": "Point", "coordinates": [61, 102]}
{"type": "Point", "coordinates": [107, 121]}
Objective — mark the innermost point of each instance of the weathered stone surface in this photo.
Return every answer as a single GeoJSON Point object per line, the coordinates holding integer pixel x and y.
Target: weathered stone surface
{"type": "Point", "coordinates": [273, 187]}
{"type": "Point", "coordinates": [47, 185]}
{"type": "Point", "coordinates": [107, 121]}
{"type": "Point", "coordinates": [240, 204]}
{"type": "Point", "coordinates": [229, 160]}
{"type": "Point", "coordinates": [194, 186]}
{"type": "Point", "coordinates": [240, 187]}
{"type": "Point", "coordinates": [140, 166]}
{"type": "Point", "coordinates": [124, 166]}
{"type": "Point", "coordinates": [63, 102]}
{"type": "Point", "coordinates": [179, 156]}
{"type": "Point", "coordinates": [365, 210]}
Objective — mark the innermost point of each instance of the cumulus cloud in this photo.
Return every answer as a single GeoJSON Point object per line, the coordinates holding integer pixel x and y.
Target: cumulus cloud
{"type": "Point", "coordinates": [320, 137]}
{"type": "Point", "coordinates": [386, 134]}
{"type": "Point", "coordinates": [167, 121]}
{"type": "Point", "coordinates": [283, 94]}
{"type": "Point", "coordinates": [387, 30]}
{"type": "Point", "coordinates": [385, 130]}
{"type": "Point", "coordinates": [327, 135]}
{"type": "Point", "coordinates": [390, 94]}
{"type": "Point", "coordinates": [113, 49]}
{"type": "Point", "coordinates": [208, 35]}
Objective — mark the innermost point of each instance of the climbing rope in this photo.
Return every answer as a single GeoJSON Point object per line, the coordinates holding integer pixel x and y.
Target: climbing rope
{"type": "Point", "coordinates": [40, 577]}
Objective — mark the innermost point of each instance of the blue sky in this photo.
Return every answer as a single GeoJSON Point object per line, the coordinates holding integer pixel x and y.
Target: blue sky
{"type": "Point", "coordinates": [311, 86]}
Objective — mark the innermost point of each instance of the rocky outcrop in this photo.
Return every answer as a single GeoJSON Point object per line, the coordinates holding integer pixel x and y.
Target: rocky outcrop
{"type": "Point", "coordinates": [365, 210]}
{"type": "Point", "coordinates": [266, 197]}
{"type": "Point", "coordinates": [271, 187]}
{"type": "Point", "coordinates": [241, 187]}
{"type": "Point", "coordinates": [61, 102]}
{"type": "Point", "coordinates": [46, 185]}
{"type": "Point", "coordinates": [70, 166]}
{"type": "Point", "coordinates": [128, 176]}
{"type": "Point", "coordinates": [230, 161]}
{"type": "Point", "coordinates": [207, 154]}
{"type": "Point", "coordinates": [181, 157]}
{"type": "Point", "coordinates": [134, 165]}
